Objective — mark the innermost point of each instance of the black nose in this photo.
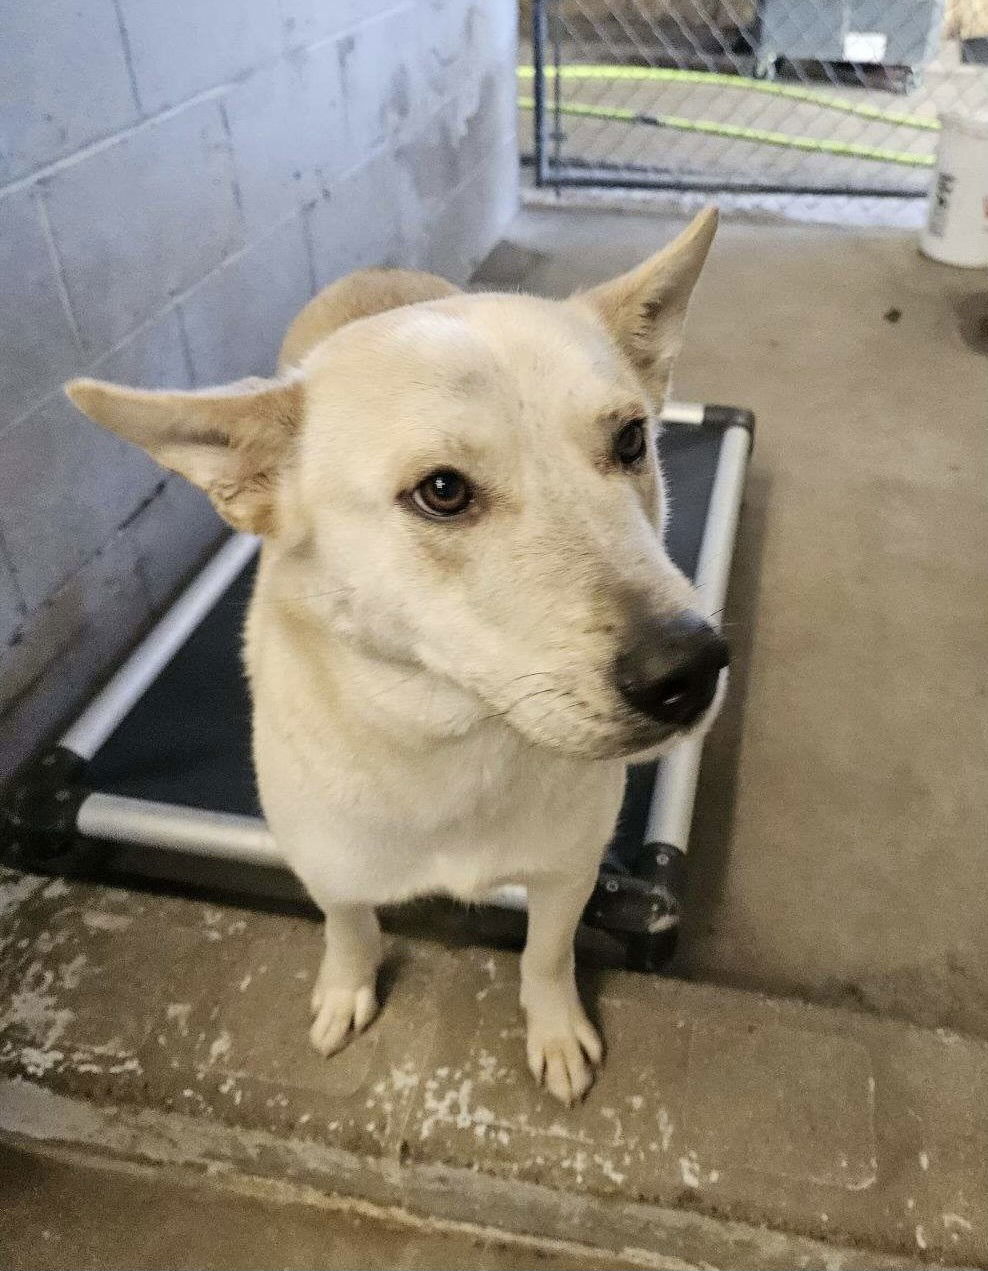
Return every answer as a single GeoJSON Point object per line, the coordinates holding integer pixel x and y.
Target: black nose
{"type": "Point", "coordinates": [670, 672]}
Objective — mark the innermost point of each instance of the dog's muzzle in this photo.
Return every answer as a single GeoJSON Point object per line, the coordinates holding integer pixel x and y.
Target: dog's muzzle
{"type": "Point", "coordinates": [671, 670]}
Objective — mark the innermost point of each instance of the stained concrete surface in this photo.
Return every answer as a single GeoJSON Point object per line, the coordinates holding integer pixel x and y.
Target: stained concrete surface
{"type": "Point", "coordinates": [837, 850]}
{"type": "Point", "coordinates": [65, 1215]}
{"type": "Point", "coordinates": [724, 1129]}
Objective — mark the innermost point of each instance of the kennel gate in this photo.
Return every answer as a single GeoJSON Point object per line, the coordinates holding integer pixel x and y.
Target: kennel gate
{"type": "Point", "coordinates": [748, 97]}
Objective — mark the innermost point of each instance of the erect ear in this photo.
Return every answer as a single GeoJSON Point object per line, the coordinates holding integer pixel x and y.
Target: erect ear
{"type": "Point", "coordinates": [645, 309]}
{"type": "Point", "coordinates": [230, 441]}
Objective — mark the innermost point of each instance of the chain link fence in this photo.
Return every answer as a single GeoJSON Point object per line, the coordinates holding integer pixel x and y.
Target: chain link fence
{"type": "Point", "coordinates": [818, 97]}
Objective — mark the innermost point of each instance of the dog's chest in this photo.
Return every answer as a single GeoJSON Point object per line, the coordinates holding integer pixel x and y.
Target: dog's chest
{"type": "Point", "coordinates": [513, 820]}
{"type": "Point", "coordinates": [455, 823]}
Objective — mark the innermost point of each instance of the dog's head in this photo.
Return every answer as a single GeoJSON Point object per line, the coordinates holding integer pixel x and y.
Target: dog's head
{"type": "Point", "coordinates": [467, 488]}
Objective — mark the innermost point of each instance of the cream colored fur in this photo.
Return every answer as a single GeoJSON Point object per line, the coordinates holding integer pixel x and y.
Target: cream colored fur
{"type": "Point", "coordinates": [434, 706]}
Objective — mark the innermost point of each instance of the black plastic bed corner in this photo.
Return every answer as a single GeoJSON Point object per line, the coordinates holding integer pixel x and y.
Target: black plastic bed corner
{"type": "Point", "coordinates": [642, 906]}
{"type": "Point", "coordinates": [38, 810]}
{"type": "Point", "coordinates": [724, 417]}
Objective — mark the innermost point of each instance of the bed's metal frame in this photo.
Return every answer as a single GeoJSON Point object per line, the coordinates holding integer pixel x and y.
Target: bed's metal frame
{"type": "Point", "coordinates": [50, 808]}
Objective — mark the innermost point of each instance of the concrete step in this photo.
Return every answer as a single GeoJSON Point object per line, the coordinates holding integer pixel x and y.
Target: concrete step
{"type": "Point", "coordinates": [725, 1129]}
{"type": "Point", "coordinates": [70, 1214]}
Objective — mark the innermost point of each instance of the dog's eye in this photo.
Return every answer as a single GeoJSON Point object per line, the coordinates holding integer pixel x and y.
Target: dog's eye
{"type": "Point", "coordinates": [630, 443]}
{"type": "Point", "coordinates": [443, 494]}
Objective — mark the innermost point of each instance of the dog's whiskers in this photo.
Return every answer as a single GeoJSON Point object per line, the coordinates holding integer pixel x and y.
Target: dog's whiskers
{"type": "Point", "coordinates": [526, 697]}
{"type": "Point", "coordinates": [390, 688]}
{"type": "Point", "coordinates": [319, 595]}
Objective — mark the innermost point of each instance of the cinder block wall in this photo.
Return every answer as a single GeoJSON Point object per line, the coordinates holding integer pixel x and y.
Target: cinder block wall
{"type": "Point", "coordinates": [176, 179]}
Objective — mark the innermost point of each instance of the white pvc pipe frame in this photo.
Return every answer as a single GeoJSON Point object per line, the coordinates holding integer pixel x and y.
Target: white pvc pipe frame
{"type": "Point", "coordinates": [222, 835]}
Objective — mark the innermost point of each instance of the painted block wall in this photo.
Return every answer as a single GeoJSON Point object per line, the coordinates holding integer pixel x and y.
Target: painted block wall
{"type": "Point", "coordinates": [176, 180]}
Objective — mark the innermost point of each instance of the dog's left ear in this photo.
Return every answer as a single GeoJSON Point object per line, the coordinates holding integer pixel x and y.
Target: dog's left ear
{"type": "Point", "coordinates": [232, 442]}
{"type": "Point", "coordinates": [645, 309]}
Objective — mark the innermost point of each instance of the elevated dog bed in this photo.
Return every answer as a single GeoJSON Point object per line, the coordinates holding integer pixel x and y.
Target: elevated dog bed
{"type": "Point", "coordinates": [154, 782]}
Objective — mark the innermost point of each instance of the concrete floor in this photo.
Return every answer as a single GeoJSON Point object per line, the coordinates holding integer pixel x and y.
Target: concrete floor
{"type": "Point", "coordinates": [724, 1130]}
{"type": "Point", "coordinates": [837, 851]}
{"type": "Point", "coordinates": [68, 1215]}
{"type": "Point", "coordinates": [835, 856]}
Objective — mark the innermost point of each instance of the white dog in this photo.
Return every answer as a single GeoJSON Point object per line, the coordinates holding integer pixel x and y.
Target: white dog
{"type": "Point", "coordinates": [465, 621]}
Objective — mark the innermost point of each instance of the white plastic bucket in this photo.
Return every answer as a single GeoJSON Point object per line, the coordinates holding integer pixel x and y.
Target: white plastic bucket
{"type": "Point", "coordinates": [957, 218]}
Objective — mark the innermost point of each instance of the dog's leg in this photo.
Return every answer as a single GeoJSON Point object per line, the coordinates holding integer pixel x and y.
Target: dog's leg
{"type": "Point", "coordinates": [345, 995]}
{"type": "Point", "coordinates": [560, 1037]}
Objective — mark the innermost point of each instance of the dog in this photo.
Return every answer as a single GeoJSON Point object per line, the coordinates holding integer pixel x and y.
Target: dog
{"type": "Point", "coordinates": [465, 623]}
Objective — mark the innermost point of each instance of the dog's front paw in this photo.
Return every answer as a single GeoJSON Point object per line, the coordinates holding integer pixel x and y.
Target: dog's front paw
{"type": "Point", "coordinates": [562, 1044]}
{"type": "Point", "coordinates": [339, 1014]}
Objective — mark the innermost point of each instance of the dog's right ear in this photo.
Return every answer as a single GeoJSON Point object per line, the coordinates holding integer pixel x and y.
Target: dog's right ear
{"type": "Point", "coordinates": [231, 442]}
